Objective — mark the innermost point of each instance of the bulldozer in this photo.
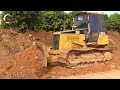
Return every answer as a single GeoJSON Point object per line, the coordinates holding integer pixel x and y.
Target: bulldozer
{"type": "Point", "coordinates": [86, 43]}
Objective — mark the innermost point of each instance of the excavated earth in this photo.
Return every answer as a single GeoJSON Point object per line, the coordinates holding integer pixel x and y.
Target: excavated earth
{"type": "Point", "coordinates": [24, 64]}
{"type": "Point", "coordinates": [19, 58]}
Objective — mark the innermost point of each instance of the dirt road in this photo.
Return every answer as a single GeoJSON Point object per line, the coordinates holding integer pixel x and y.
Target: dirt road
{"type": "Point", "coordinates": [113, 74]}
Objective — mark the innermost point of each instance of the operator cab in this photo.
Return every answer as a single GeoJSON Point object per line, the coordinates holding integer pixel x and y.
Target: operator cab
{"type": "Point", "coordinates": [92, 23]}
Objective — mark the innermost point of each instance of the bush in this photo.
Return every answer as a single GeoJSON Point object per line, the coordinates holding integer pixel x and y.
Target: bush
{"type": "Point", "coordinates": [113, 22]}
{"type": "Point", "coordinates": [39, 20]}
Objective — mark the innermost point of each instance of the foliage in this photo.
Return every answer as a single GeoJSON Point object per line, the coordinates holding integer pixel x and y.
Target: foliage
{"type": "Point", "coordinates": [113, 22]}
{"type": "Point", "coordinates": [22, 20]}
{"type": "Point", "coordinates": [39, 20]}
{"type": "Point", "coordinates": [52, 20]}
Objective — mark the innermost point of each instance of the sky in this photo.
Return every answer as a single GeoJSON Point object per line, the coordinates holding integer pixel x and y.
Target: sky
{"type": "Point", "coordinates": [106, 12]}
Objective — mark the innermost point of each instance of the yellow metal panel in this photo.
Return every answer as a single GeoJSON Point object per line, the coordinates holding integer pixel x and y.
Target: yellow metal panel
{"type": "Point", "coordinates": [67, 45]}
{"type": "Point", "coordinates": [67, 39]}
{"type": "Point", "coordinates": [52, 58]}
{"type": "Point", "coordinates": [53, 51]}
{"type": "Point", "coordinates": [82, 37]}
{"type": "Point", "coordinates": [103, 40]}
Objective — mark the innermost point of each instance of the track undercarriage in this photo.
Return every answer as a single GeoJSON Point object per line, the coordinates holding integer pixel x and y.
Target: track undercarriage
{"type": "Point", "coordinates": [77, 57]}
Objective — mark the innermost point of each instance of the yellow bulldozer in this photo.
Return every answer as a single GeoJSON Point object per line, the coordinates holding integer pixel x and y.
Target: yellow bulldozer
{"type": "Point", "coordinates": [85, 43]}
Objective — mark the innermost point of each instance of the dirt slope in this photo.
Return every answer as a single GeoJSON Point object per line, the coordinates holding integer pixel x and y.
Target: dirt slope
{"type": "Point", "coordinates": [114, 39]}
{"type": "Point", "coordinates": [18, 57]}
{"type": "Point", "coordinates": [12, 42]}
{"type": "Point", "coordinates": [24, 64]}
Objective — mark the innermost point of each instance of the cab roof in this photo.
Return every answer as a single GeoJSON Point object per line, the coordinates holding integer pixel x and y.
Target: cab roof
{"type": "Point", "coordinates": [89, 13]}
{"type": "Point", "coordinates": [59, 32]}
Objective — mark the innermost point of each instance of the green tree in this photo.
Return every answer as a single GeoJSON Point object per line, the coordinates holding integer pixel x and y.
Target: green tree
{"type": "Point", "coordinates": [39, 20]}
{"type": "Point", "coordinates": [113, 22]}
{"type": "Point", "coordinates": [22, 20]}
{"type": "Point", "coordinates": [52, 20]}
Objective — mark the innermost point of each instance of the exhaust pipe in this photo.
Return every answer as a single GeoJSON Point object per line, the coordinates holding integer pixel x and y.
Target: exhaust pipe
{"type": "Point", "coordinates": [64, 25]}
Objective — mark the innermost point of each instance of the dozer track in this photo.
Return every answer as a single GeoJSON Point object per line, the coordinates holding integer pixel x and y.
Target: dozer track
{"type": "Point", "coordinates": [76, 57]}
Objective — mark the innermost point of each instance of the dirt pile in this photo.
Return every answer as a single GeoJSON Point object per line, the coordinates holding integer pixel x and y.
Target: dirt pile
{"type": "Point", "coordinates": [26, 64]}
{"type": "Point", "coordinates": [41, 37]}
{"type": "Point", "coordinates": [18, 57]}
{"type": "Point", "coordinates": [114, 37]}
{"type": "Point", "coordinates": [12, 42]}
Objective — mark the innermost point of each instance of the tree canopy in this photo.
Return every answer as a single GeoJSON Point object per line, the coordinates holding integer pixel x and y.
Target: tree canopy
{"type": "Point", "coordinates": [113, 22]}
{"type": "Point", "coordinates": [39, 20]}
{"type": "Point", "coordinates": [49, 20]}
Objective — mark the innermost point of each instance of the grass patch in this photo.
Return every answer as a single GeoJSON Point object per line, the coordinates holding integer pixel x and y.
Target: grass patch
{"type": "Point", "coordinates": [112, 46]}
